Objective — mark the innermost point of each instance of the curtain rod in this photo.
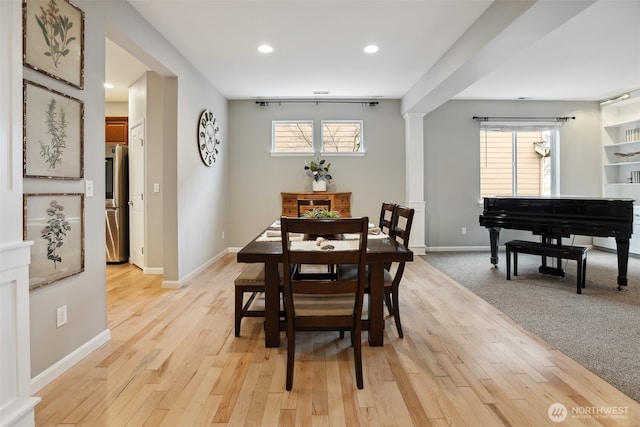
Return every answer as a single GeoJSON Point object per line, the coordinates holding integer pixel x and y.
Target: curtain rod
{"type": "Point", "coordinates": [364, 103]}
{"type": "Point", "coordinates": [506, 119]}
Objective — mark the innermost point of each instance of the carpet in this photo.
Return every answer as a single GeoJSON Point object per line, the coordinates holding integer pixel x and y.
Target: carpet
{"type": "Point", "coordinates": [600, 328]}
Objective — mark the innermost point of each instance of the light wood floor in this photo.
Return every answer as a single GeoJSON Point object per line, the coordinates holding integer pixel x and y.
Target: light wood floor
{"type": "Point", "coordinates": [173, 361]}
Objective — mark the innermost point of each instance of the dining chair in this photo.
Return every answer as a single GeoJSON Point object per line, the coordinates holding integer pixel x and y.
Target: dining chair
{"type": "Point", "coordinates": [250, 281]}
{"type": "Point", "coordinates": [305, 205]}
{"type": "Point", "coordinates": [324, 304]}
{"type": "Point", "coordinates": [386, 217]}
{"type": "Point", "coordinates": [387, 212]}
{"type": "Point", "coordinates": [400, 232]}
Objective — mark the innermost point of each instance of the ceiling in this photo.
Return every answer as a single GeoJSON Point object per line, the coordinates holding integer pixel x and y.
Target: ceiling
{"type": "Point", "coordinates": [430, 51]}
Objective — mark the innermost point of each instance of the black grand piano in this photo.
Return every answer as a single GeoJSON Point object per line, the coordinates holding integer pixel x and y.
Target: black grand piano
{"type": "Point", "coordinates": [558, 217]}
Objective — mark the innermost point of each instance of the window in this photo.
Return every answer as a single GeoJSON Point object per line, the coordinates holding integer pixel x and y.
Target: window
{"type": "Point", "coordinates": [342, 136]}
{"type": "Point", "coordinates": [292, 136]}
{"type": "Point", "coordinates": [518, 161]}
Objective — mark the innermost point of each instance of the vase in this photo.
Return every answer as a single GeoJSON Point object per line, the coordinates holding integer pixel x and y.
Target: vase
{"type": "Point", "coordinates": [319, 185]}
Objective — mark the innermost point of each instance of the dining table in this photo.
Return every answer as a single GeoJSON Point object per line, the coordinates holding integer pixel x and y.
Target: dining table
{"type": "Point", "coordinates": [266, 248]}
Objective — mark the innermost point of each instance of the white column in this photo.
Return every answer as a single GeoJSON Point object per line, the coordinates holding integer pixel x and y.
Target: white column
{"type": "Point", "coordinates": [414, 185]}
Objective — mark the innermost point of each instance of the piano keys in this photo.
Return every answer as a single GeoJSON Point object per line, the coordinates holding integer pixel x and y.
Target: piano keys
{"type": "Point", "coordinates": [558, 217]}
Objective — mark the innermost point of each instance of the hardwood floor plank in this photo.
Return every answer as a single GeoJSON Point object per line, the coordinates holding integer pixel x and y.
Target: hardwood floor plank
{"type": "Point", "coordinates": [173, 361]}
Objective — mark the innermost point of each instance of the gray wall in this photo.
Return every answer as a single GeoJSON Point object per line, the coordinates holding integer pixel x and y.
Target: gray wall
{"type": "Point", "coordinates": [256, 178]}
{"type": "Point", "coordinates": [190, 191]}
{"type": "Point", "coordinates": [452, 163]}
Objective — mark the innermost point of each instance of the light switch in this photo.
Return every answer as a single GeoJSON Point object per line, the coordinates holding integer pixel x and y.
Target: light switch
{"type": "Point", "coordinates": [156, 188]}
{"type": "Point", "coordinates": [88, 188]}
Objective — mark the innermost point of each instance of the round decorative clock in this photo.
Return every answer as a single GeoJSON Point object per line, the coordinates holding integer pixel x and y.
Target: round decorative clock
{"type": "Point", "coordinates": [208, 137]}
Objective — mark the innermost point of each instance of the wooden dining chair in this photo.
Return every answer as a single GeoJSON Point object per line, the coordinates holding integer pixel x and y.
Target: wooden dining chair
{"type": "Point", "coordinates": [400, 232]}
{"type": "Point", "coordinates": [321, 304]}
{"type": "Point", "coordinates": [386, 217]}
{"type": "Point", "coordinates": [305, 205]}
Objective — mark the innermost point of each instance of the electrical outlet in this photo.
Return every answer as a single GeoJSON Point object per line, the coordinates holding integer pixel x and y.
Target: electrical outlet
{"type": "Point", "coordinates": [61, 316]}
{"type": "Point", "coordinates": [464, 231]}
{"type": "Point", "coordinates": [223, 235]}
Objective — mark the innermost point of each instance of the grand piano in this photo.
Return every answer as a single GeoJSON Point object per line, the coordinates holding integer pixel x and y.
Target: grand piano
{"type": "Point", "coordinates": [558, 217]}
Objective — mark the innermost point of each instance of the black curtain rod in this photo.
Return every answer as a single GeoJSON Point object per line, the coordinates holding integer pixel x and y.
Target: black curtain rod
{"type": "Point", "coordinates": [486, 119]}
{"type": "Point", "coordinates": [266, 102]}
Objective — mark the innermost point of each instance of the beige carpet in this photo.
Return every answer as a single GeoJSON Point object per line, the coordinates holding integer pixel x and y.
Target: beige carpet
{"type": "Point", "coordinates": [600, 328]}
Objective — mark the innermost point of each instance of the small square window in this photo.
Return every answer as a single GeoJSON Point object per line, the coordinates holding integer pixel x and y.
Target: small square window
{"type": "Point", "coordinates": [292, 136]}
{"type": "Point", "coordinates": [342, 136]}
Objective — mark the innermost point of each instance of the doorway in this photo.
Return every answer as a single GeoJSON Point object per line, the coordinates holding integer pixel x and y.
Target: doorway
{"type": "Point", "coordinates": [149, 97]}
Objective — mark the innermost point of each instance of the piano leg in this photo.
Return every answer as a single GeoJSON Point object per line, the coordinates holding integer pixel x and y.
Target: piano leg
{"type": "Point", "coordinates": [623, 260]}
{"type": "Point", "coordinates": [494, 237]}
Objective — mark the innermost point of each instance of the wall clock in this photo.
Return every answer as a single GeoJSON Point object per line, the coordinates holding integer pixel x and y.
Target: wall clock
{"type": "Point", "coordinates": [208, 137]}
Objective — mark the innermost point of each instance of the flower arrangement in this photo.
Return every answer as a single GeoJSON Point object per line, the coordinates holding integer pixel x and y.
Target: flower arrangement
{"type": "Point", "coordinates": [319, 213]}
{"type": "Point", "coordinates": [318, 169]}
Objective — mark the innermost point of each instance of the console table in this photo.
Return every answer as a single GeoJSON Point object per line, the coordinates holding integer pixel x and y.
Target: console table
{"type": "Point", "coordinates": [340, 202]}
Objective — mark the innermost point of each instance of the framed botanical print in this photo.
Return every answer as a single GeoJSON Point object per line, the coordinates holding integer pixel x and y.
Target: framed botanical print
{"type": "Point", "coordinates": [53, 133]}
{"type": "Point", "coordinates": [55, 224]}
{"type": "Point", "coordinates": [53, 39]}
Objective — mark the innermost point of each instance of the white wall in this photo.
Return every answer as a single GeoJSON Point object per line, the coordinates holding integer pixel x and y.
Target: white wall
{"type": "Point", "coordinates": [452, 163]}
{"type": "Point", "coordinates": [256, 178]}
{"type": "Point", "coordinates": [116, 109]}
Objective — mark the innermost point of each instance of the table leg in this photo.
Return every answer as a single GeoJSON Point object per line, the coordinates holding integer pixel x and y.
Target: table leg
{"type": "Point", "coordinates": [272, 306]}
{"type": "Point", "coordinates": [376, 305]}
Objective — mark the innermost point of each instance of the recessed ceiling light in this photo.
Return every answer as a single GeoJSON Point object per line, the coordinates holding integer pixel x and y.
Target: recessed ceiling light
{"type": "Point", "coordinates": [108, 86]}
{"type": "Point", "coordinates": [372, 48]}
{"type": "Point", "coordinates": [265, 48]}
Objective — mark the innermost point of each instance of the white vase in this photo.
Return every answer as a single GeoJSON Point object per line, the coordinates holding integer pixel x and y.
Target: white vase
{"type": "Point", "coordinates": [319, 185]}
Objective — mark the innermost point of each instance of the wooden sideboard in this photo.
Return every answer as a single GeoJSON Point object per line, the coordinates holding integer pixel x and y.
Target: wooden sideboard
{"type": "Point", "coordinates": [340, 202]}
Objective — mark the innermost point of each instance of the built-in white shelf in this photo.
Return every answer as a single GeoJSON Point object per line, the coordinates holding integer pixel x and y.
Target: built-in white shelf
{"type": "Point", "coordinates": [620, 124]}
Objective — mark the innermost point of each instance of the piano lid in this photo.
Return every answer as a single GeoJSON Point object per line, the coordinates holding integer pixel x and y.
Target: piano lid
{"type": "Point", "coordinates": [570, 207]}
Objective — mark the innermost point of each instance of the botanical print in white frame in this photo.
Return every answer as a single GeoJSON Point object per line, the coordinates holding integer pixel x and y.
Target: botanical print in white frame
{"type": "Point", "coordinates": [55, 225]}
{"type": "Point", "coordinates": [53, 134]}
{"type": "Point", "coordinates": [53, 39]}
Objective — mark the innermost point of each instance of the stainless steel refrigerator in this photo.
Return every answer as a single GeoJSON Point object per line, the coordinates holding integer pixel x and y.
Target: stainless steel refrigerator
{"type": "Point", "coordinates": [117, 202]}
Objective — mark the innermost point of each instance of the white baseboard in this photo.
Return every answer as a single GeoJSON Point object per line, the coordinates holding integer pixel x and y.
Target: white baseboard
{"type": "Point", "coordinates": [61, 366]}
{"type": "Point", "coordinates": [458, 248]}
{"type": "Point", "coordinates": [153, 270]}
{"type": "Point", "coordinates": [182, 282]}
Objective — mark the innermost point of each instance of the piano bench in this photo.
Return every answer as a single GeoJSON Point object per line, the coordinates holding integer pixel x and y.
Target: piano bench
{"type": "Point", "coordinates": [576, 253]}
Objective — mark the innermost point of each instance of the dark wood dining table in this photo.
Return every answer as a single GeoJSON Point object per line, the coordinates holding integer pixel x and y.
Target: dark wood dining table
{"type": "Point", "coordinates": [379, 252]}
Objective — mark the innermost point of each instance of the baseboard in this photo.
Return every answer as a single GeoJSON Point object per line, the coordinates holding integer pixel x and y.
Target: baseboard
{"type": "Point", "coordinates": [153, 270]}
{"type": "Point", "coordinates": [173, 284]}
{"type": "Point", "coordinates": [418, 250]}
{"type": "Point", "coordinates": [61, 366]}
{"type": "Point", "coordinates": [458, 248]}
